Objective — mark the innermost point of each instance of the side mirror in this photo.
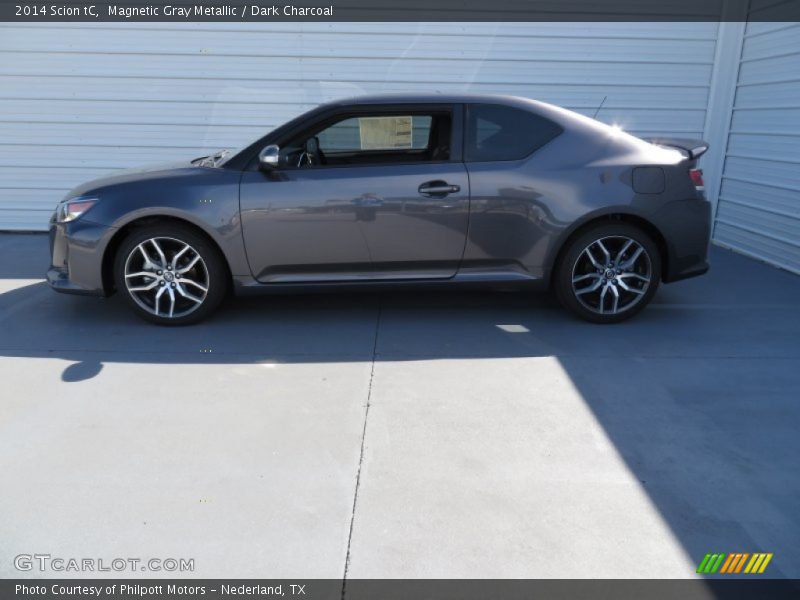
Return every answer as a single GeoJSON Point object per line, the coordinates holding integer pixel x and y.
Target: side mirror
{"type": "Point", "coordinates": [268, 158]}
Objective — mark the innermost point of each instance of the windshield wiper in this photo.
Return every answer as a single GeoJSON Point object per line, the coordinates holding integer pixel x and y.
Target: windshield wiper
{"type": "Point", "coordinates": [211, 160]}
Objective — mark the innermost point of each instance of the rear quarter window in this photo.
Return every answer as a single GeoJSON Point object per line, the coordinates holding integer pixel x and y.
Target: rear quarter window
{"type": "Point", "coordinates": [496, 132]}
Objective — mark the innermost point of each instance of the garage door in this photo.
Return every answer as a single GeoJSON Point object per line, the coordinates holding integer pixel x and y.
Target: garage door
{"type": "Point", "coordinates": [80, 100]}
{"type": "Point", "coordinates": [758, 211]}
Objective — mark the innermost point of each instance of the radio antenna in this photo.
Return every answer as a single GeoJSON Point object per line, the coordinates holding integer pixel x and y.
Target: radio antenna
{"type": "Point", "coordinates": [599, 107]}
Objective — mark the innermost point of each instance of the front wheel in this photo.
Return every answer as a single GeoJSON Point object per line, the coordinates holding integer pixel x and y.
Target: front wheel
{"type": "Point", "coordinates": [609, 273]}
{"type": "Point", "coordinates": [170, 275]}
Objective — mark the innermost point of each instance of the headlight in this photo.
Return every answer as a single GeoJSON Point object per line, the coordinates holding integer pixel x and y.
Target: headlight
{"type": "Point", "coordinates": [69, 210]}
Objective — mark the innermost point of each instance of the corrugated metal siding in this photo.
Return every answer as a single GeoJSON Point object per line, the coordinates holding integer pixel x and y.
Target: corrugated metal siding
{"type": "Point", "coordinates": [77, 101]}
{"type": "Point", "coordinates": [758, 210]}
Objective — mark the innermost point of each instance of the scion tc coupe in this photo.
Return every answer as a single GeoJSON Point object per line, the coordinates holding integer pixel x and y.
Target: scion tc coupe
{"type": "Point", "coordinates": [395, 191]}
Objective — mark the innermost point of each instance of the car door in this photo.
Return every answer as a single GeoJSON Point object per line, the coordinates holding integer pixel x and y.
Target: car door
{"type": "Point", "coordinates": [371, 193]}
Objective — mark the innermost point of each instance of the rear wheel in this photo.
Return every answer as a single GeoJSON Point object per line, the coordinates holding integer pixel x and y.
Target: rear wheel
{"type": "Point", "coordinates": [170, 275]}
{"type": "Point", "coordinates": [609, 273]}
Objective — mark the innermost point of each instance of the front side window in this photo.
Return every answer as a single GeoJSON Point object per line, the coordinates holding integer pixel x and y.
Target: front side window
{"type": "Point", "coordinates": [496, 132]}
{"type": "Point", "coordinates": [401, 132]}
{"type": "Point", "coordinates": [373, 139]}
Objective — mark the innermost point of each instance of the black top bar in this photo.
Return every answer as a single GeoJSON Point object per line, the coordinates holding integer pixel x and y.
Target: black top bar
{"type": "Point", "coordinates": [400, 10]}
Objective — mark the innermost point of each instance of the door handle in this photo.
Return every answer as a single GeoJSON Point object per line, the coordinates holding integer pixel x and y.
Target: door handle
{"type": "Point", "coordinates": [438, 188]}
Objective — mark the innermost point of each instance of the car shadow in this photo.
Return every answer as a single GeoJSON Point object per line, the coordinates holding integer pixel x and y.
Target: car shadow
{"type": "Point", "coordinates": [342, 327]}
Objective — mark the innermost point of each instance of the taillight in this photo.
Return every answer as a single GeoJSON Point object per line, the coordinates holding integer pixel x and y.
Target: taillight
{"type": "Point", "coordinates": [697, 179]}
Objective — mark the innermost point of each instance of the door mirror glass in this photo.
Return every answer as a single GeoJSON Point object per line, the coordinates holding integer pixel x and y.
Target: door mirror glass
{"type": "Point", "coordinates": [268, 158]}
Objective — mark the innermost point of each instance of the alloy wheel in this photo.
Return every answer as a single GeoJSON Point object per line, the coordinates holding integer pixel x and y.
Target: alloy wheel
{"type": "Point", "coordinates": [166, 277]}
{"type": "Point", "coordinates": [612, 275]}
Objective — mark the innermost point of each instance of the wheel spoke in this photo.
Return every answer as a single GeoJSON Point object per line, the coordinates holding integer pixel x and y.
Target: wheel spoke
{"type": "Point", "coordinates": [187, 295]}
{"type": "Point", "coordinates": [175, 258]}
{"type": "Point", "coordinates": [592, 259]}
{"type": "Point", "coordinates": [601, 306]}
{"type": "Point", "coordinates": [641, 278]}
{"type": "Point", "coordinates": [622, 252]}
{"type": "Point", "coordinates": [606, 253]}
{"type": "Point", "coordinates": [194, 283]}
{"type": "Point", "coordinates": [627, 288]}
{"type": "Point", "coordinates": [144, 288]}
{"type": "Point", "coordinates": [148, 262]}
{"type": "Point", "coordinates": [580, 278]}
{"type": "Point", "coordinates": [154, 243]}
{"type": "Point", "coordinates": [159, 293]}
{"type": "Point", "coordinates": [188, 267]}
{"type": "Point", "coordinates": [140, 274]}
{"type": "Point", "coordinates": [615, 306]}
{"type": "Point", "coordinates": [171, 301]}
{"type": "Point", "coordinates": [591, 288]}
{"type": "Point", "coordinates": [628, 264]}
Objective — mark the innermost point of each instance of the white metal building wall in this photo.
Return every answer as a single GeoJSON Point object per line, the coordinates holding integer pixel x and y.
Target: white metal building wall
{"type": "Point", "coordinates": [80, 100]}
{"type": "Point", "coordinates": [758, 210]}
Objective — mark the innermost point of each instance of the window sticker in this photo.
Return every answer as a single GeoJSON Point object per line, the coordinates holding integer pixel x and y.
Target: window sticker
{"type": "Point", "coordinates": [385, 133]}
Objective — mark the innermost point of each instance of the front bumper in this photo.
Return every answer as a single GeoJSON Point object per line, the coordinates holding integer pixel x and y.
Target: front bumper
{"type": "Point", "coordinates": [59, 280]}
{"type": "Point", "coordinates": [77, 250]}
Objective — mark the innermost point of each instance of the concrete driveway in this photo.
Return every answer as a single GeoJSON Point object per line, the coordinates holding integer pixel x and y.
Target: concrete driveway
{"type": "Point", "coordinates": [394, 435]}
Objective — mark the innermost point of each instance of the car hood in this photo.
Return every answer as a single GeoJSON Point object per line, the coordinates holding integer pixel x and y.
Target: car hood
{"type": "Point", "coordinates": [143, 173]}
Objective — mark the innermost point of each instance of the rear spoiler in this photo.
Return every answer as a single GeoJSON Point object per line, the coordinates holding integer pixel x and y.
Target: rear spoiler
{"type": "Point", "coordinates": [694, 149]}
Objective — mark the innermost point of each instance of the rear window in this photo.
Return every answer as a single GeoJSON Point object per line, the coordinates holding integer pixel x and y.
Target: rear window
{"type": "Point", "coordinates": [496, 132]}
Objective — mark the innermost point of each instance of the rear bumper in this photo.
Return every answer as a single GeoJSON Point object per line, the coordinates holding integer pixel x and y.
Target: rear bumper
{"type": "Point", "coordinates": [696, 270]}
{"type": "Point", "coordinates": [686, 228]}
{"type": "Point", "coordinates": [76, 257]}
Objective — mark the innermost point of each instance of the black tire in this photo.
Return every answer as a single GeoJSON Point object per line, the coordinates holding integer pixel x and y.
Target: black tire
{"type": "Point", "coordinates": [626, 286]}
{"type": "Point", "coordinates": [207, 272]}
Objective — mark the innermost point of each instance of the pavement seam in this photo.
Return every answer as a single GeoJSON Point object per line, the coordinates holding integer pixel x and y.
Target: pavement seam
{"type": "Point", "coordinates": [361, 454]}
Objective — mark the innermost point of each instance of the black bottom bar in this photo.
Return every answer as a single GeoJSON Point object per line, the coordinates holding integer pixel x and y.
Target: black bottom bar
{"type": "Point", "coordinates": [401, 589]}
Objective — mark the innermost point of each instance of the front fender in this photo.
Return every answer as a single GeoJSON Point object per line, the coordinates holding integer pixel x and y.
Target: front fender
{"type": "Point", "coordinates": [205, 198]}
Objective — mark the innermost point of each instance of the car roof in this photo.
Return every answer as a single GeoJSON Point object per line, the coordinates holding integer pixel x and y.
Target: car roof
{"type": "Point", "coordinates": [433, 98]}
{"type": "Point", "coordinates": [555, 113]}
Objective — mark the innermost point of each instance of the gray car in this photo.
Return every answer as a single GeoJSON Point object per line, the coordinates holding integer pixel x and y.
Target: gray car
{"type": "Point", "coordinates": [390, 191]}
